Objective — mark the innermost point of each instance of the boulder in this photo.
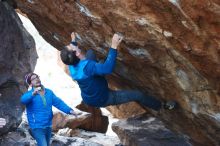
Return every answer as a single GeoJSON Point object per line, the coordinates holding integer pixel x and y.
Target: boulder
{"type": "Point", "coordinates": [18, 56]}
{"type": "Point", "coordinates": [97, 122]}
{"type": "Point", "coordinates": [61, 120]}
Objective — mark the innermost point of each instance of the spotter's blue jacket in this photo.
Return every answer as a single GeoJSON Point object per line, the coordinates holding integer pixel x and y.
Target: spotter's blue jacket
{"type": "Point", "coordinates": [39, 114]}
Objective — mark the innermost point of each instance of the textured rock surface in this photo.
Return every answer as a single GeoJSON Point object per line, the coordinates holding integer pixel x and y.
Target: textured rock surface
{"type": "Point", "coordinates": [147, 131]}
{"type": "Point", "coordinates": [96, 137]}
{"type": "Point", "coordinates": [16, 49]}
{"type": "Point", "coordinates": [21, 137]}
{"type": "Point", "coordinates": [97, 122]}
{"type": "Point", "coordinates": [171, 50]}
{"type": "Point", "coordinates": [61, 120]}
{"type": "Point", "coordinates": [71, 141]}
{"type": "Point", "coordinates": [123, 111]}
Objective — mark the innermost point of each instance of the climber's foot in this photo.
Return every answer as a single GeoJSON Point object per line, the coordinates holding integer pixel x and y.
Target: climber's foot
{"type": "Point", "coordinates": [170, 105]}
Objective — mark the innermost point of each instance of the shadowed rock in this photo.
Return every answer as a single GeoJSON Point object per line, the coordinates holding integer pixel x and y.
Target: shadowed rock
{"type": "Point", "coordinates": [147, 131]}
{"type": "Point", "coordinates": [18, 56]}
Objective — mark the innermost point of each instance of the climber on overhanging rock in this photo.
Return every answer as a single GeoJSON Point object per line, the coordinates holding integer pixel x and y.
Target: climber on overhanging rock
{"type": "Point", "coordinates": [90, 76]}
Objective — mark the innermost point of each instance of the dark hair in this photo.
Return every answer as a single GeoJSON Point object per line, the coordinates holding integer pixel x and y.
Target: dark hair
{"type": "Point", "coordinates": [28, 77]}
{"type": "Point", "coordinates": [69, 57]}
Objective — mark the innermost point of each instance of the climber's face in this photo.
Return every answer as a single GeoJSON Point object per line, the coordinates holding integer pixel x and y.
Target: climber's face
{"type": "Point", "coordinates": [35, 80]}
{"type": "Point", "coordinates": [75, 48]}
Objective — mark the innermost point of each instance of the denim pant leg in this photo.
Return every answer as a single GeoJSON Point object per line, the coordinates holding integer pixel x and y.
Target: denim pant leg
{"type": "Point", "coordinates": [48, 135]}
{"type": "Point", "coordinates": [42, 136]}
{"type": "Point", "coordinates": [124, 96]}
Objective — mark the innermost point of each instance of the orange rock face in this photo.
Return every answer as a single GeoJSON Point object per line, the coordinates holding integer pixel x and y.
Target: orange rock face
{"type": "Point", "coordinates": [97, 122]}
{"type": "Point", "coordinates": [61, 120]}
{"type": "Point", "coordinates": [171, 49]}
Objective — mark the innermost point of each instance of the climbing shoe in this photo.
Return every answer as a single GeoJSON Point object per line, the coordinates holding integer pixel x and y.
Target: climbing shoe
{"type": "Point", "coordinates": [170, 105]}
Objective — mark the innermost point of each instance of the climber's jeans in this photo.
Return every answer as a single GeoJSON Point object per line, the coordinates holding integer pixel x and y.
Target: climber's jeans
{"type": "Point", "coordinates": [42, 136]}
{"type": "Point", "coordinates": [124, 96]}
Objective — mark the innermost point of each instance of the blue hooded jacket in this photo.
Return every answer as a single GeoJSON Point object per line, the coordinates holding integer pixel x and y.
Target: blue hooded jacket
{"type": "Point", "coordinates": [40, 114]}
{"type": "Point", "coordinates": [90, 76]}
